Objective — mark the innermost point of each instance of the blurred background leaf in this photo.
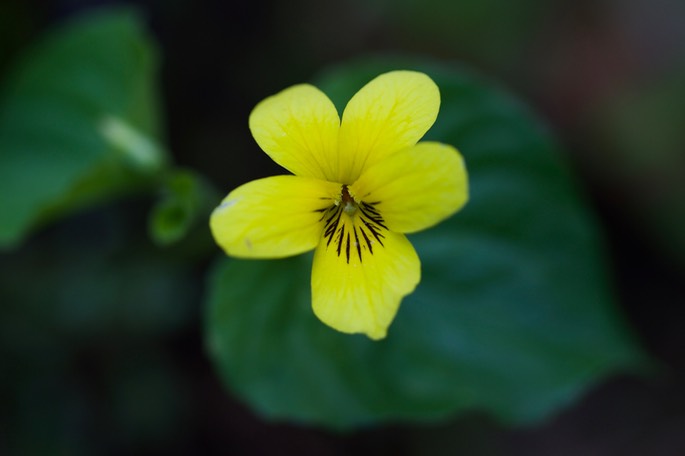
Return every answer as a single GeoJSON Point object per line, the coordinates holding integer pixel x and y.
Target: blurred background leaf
{"type": "Point", "coordinates": [186, 201]}
{"type": "Point", "coordinates": [642, 128]}
{"type": "Point", "coordinates": [91, 376]}
{"type": "Point", "coordinates": [85, 314]}
{"type": "Point", "coordinates": [514, 314]}
{"type": "Point", "coordinates": [78, 120]}
{"type": "Point", "coordinates": [496, 32]}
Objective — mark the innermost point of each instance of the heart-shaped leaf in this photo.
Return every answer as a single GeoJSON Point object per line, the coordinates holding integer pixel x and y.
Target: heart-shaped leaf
{"type": "Point", "coordinates": [513, 315]}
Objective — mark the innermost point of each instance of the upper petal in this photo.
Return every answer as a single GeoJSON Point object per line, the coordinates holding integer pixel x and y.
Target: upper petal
{"type": "Point", "coordinates": [359, 278]}
{"type": "Point", "coordinates": [415, 188]}
{"type": "Point", "coordinates": [390, 113]}
{"type": "Point", "coordinates": [272, 217]}
{"type": "Point", "coordinates": [298, 128]}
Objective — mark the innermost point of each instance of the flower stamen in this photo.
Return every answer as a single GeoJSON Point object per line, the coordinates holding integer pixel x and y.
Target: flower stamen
{"type": "Point", "coordinates": [365, 225]}
{"type": "Point", "coordinates": [349, 204]}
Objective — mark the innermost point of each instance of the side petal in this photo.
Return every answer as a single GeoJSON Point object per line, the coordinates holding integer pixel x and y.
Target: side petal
{"type": "Point", "coordinates": [298, 128]}
{"type": "Point", "coordinates": [415, 188]}
{"type": "Point", "coordinates": [359, 278]}
{"type": "Point", "coordinates": [390, 113]}
{"type": "Point", "coordinates": [272, 217]}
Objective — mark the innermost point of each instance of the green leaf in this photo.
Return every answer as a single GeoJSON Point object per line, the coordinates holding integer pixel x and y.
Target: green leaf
{"type": "Point", "coordinates": [78, 121]}
{"type": "Point", "coordinates": [187, 199]}
{"type": "Point", "coordinates": [513, 315]}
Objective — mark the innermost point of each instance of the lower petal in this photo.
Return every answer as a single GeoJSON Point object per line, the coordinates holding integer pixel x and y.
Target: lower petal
{"type": "Point", "coordinates": [273, 217]}
{"type": "Point", "coordinates": [359, 278]}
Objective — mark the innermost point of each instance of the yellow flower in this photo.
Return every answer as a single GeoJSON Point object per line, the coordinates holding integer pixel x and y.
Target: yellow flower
{"type": "Point", "coordinates": [358, 185]}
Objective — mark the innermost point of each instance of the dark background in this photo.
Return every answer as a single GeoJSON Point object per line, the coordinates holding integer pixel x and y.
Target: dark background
{"type": "Point", "coordinates": [608, 76]}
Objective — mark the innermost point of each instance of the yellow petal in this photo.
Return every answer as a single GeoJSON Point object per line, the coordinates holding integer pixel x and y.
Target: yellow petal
{"type": "Point", "coordinates": [272, 217]}
{"type": "Point", "coordinates": [415, 188]}
{"type": "Point", "coordinates": [360, 275]}
{"type": "Point", "coordinates": [298, 128]}
{"type": "Point", "coordinates": [390, 113]}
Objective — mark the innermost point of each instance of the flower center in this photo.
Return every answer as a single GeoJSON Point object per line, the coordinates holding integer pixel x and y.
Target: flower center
{"type": "Point", "coordinates": [358, 232]}
{"type": "Point", "coordinates": [348, 203]}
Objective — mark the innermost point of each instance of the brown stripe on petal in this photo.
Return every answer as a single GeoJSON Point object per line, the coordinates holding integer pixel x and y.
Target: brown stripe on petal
{"type": "Point", "coordinates": [366, 226]}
